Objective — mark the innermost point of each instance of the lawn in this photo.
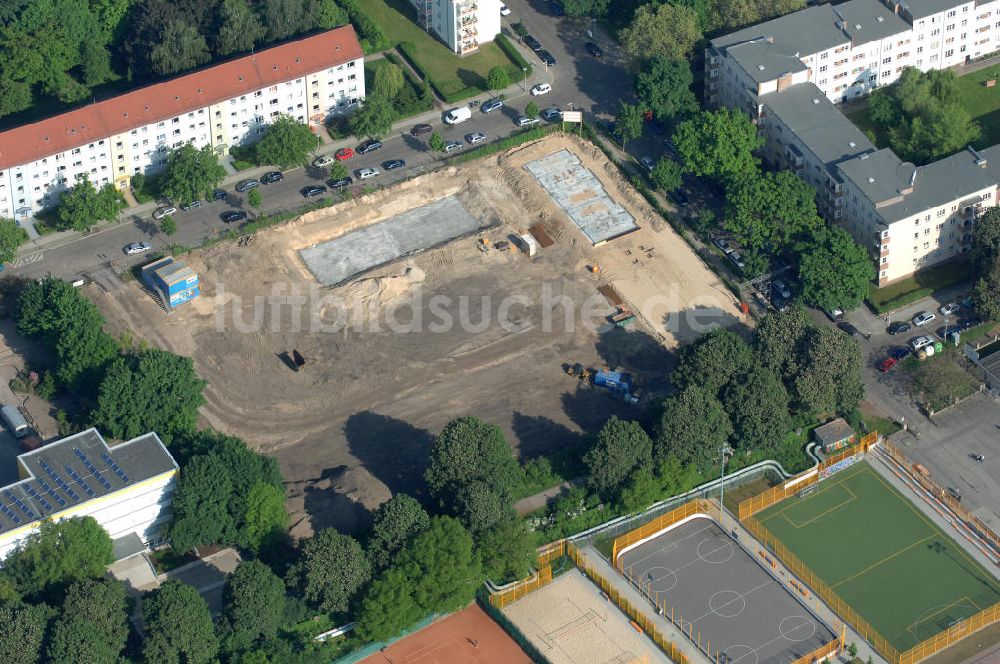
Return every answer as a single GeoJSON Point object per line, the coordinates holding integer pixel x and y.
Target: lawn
{"type": "Point", "coordinates": [453, 77]}
{"type": "Point", "coordinates": [918, 285]}
{"type": "Point", "coordinates": [940, 380]}
{"type": "Point", "coordinates": [882, 556]}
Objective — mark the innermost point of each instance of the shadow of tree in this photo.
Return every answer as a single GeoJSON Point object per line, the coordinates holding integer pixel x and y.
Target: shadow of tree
{"type": "Point", "coordinates": [393, 451]}
{"type": "Point", "coordinates": [537, 435]}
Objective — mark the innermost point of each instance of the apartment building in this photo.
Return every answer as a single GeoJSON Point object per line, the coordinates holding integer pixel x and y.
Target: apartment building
{"type": "Point", "coordinates": [126, 487]}
{"type": "Point", "coordinates": [461, 24]}
{"type": "Point", "coordinates": [225, 105]}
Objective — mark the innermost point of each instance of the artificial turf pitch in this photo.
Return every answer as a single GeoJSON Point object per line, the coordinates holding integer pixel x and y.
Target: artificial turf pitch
{"type": "Point", "coordinates": [882, 556]}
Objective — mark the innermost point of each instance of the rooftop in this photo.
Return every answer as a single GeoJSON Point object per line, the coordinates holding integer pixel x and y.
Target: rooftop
{"type": "Point", "coordinates": [173, 97]}
{"type": "Point", "coordinates": [868, 20]}
{"type": "Point", "coordinates": [881, 176]}
{"type": "Point", "coordinates": [922, 8]}
{"type": "Point", "coordinates": [820, 125]}
{"type": "Point", "coordinates": [67, 473]}
{"type": "Point", "coordinates": [833, 431]}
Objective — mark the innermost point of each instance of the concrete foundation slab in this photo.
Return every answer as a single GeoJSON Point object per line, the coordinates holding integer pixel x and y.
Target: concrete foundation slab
{"type": "Point", "coordinates": [343, 258]}
{"type": "Point", "coordinates": [578, 191]}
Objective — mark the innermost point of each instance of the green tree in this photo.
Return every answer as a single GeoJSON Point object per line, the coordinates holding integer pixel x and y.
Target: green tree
{"type": "Point", "coordinates": [168, 226]}
{"type": "Point", "coordinates": [986, 295]}
{"type": "Point", "coordinates": [374, 118]}
{"type": "Point", "coordinates": [443, 566]}
{"type": "Point", "coordinates": [388, 81]}
{"type": "Point", "coordinates": [180, 47]}
{"type": "Point", "coordinates": [254, 600]}
{"type": "Point", "coordinates": [74, 640]}
{"type": "Point", "coordinates": [436, 143]}
{"type": "Point", "coordinates": [191, 173]}
{"type": "Point", "coordinates": [388, 606]}
{"type": "Point", "coordinates": [775, 210]}
{"type": "Point", "coordinates": [531, 109]}
{"type": "Point", "coordinates": [758, 408]}
{"type": "Point", "coordinates": [330, 571]}
{"type": "Point", "coordinates": [830, 381]}
{"type": "Point", "coordinates": [497, 79]}
{"type": "Point", "coordinates": [620, 448]}
{"type": "Point", "coordinates": [94, 623]}
{"type": "Point", "coordinates": [200, 513]}
{"type": "Point", "coordinates": [254, 198]}
{"type": "Point", "coordinates": [481, 507]}
{"type": "Point", "coordinates": [712, 361]}
{"type": "Point", "coordinates": [395, 522]}
{"type": "Point", "coordinates": [779, 341]}
{"type": "Point", "coordinates": [179, 626]}
{"type": "Point", "coordinates": [58, 554]}
{"type": "Point", "coordinates": [666, 175]}
{"type": "Point", "coordinates": [508, 551]}
{"type": "Point", "coordinates": [239, 28]}
{"type": "Point", "coordinates": [664, 87]}
{"type": "Point", "coordinates": [986, 240]}
{"type": "Point", "coordinates": [835, 271]}
{"type": "Point", "coordinates": [466, 450]}
{"type": "Point", "coordinates": [628, 123]}
{"type": "Point", "coordinates": [667, 31]}
{"type": "Point", "coordinates": [286, 143]}
{"type": "Point", "coordinates": [718, 144]}
{"type": "Point", "coordinates": [593, 8]}
{"type": "Point", "coordinates": [22, 632]}
{"type": "Point", "coordinates": [733, 14]}
{"type": "Point", "coordinates": [338, 171]}
{"type": "Point", "coordinates": [83, 206]}
{"type": "Point", "coordinates": [151, 390]}
{"type": "Point", "coordinates": [694, 427]}
{"type": "Point", "coordinates": [265, 517]}
{"type": "Point", "coordinates": [12, 237]}
{"type": "Point", "coordinates": [329, 15]}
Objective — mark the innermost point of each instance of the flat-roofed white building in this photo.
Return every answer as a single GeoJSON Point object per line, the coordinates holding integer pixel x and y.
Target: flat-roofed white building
{"type": "Point", "coordinates": [126, 487]}
{"type": "Point", "coordinates": [225, 105]}
{"type": "Point", "coordinates": [461, 24]}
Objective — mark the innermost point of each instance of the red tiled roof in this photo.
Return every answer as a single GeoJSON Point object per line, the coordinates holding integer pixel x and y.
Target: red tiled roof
{"type": "Point", "coordinates": [171, 98]}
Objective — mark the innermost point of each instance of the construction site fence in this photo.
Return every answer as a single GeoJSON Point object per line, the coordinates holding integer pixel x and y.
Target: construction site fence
{"type": "Point", "coordinates": [638, 617]}
{"type": "Point", "coordinates": [989, 536]}
{"type": "Point", "coordinates": [513, 593]}
{"type": "Point", "coordinates": [793, 485]}
{"type": "Point", "coordinates": [661, 523]}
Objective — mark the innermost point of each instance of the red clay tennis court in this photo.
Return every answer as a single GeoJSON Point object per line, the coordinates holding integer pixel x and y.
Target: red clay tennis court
{"type": "Point", "coordinates": [467, 637]}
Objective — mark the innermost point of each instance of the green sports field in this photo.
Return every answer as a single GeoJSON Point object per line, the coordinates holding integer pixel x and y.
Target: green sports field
{"type": "Point", "coordinates": [882, 556]}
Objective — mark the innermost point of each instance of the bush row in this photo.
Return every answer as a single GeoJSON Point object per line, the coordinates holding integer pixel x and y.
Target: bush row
{"type": "Point", "coordinates": [513, 54]}
{"type": "Point", "coordinates": [371, 36]}
{"type": "Point", "coordinates": [514, 140]}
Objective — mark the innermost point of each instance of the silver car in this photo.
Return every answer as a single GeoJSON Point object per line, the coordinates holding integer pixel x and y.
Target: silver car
{"type": "Point", "coordinates": [476, 139]}
{"type": "Point", "coordinates": [923, 318]}
{"type": "Point", "coordinates": [920, 342]}
{"type": "Point", "coordinates": [136, 248]}
{"type": "Point", "coordinates": [365, 173]}
{"type": "Point", "coordinates": [452, 146]}
{"type": "Point", "coordinates": [161, 212]}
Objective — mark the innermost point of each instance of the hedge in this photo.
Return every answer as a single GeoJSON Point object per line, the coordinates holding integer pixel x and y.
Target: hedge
{"type": "Point", "coordinates": [503, 144]}
{"type": "Point", "coordinates": [371, 36]}
{"type": "Point", "coordinates": [406, 49]}
{"type": "Point", "coordinates": [511, 51]}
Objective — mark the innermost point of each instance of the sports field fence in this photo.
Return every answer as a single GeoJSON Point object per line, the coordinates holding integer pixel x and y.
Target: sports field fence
{"type": "Point", "coordinates": [660, 523]}
{"type": "Point", "coordinates": [515, 592]}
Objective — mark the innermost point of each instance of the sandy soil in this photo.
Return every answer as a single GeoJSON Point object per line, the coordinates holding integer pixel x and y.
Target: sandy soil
{"type": "Point", "coordinates": [356, 423]}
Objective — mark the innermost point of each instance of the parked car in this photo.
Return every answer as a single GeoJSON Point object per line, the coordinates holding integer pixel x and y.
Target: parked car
{"type": "Point", "coordinates": [366, 173]}
{"type": "Point", "coordinates": [782, 289]}
{"type": "Point", "coordinates": [736, 258]}
{"type": "Point", "coordinates": [136, 248]}
{"type": "Point", "coordinates": [244, 186]}
{"type": "Point", "coordinates": [943, 331]}
{"type": "Point", "coordinates": [343, 154]}
{"type": "Point", "coordinates": [313, 190]}
{"type": "Point", "coordinates": [421, 129]}
{"type": "Point", "coordinates": [342, 182]}
{"type": "Point", "coordinates": [271, 177]}
{"type": "Point", "coordinates": [898, 327]}
{"type": "Point", "coordinates": [594, 49]}
{"type": "Point", "coordinates": [835, 314]}
{"type": "Point", "coordinates": [916, 343]}
{"type": "Point", "coordinates": [532, 43]}
{"type": "Point", "coordinates": [325, 160]}
{"type": "Point", "coordinates": [923, 318]}
{"type": "Point", "coordinates": [547, 58]}
{"type": "Point", "coordinates": [504, 10]}
{"type": "Point", "coordinates": [163, 211]}
{"type": "Point", "coordinates": [219, 195]}
{"type": "Point", "coordinates": [552, 114]}
{"type": "Point", "coordinates": [525, 121]}
{"type": "Point", "coordinates": [232, 216]}
{"type": "Point", "coordinates": [949, 309]}
{"type": "Point", "coordinates": [476, 139]}
{"type": "Point", "coordinates": [648, 162]}
{"type": "Point", "coordinates": [452, 146]}
{"type": "Point", "coordinates": [193, 205]}
{"type": "Point", "coordinates": [393, 164]}
{"type": "Point", "coordinates": [887, 364]}
{"type": "Point", "coordinates": [900, 352]}
{"type": "Point", "coordinates": [848, 329]}
{"type": "Point", "coordinates": [722, 245]}
{"type": "Point", "coordinates": [968, 323]}
{"type": "Point", "coordinates": [368, 146]}
{"type": "Point", "coordinates": [491, 105]}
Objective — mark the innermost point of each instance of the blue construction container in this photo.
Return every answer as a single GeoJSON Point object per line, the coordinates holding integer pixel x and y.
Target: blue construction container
{"type": "Point", "coordinates": [615, 381]}
{"type": "Point", "coordinates": [174, 281]}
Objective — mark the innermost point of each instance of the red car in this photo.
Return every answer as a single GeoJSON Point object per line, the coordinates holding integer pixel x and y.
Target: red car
{"type": "Point", "coordinates": [887, 364]}
{"type": "Point", "coordinates": [343, 154]}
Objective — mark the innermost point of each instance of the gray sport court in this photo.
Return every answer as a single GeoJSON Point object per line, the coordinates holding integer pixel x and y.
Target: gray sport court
{"type": "Point", "coordinates": [721, 591]}
{"type": "Point", "coordinates": [345, 257]}
{"type": "Point", "coordinates": [578, 191]}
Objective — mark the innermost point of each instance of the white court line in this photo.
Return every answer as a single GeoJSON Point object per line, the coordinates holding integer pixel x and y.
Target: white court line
{"type": "Point", "coordinates": [674, 544]}
{"type": "Point", "coordinates": [741, 595]}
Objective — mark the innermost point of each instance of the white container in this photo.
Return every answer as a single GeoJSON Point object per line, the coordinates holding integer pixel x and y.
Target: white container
{"type": "Point", "coordinates": [529, 244]}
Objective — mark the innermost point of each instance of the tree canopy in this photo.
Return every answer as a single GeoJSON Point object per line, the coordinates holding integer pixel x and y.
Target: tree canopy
{"type": "Point", "coordinates": [179, 626]}
{"type": "Point", "coordinates": [94, 624]}
{"type": "Point", "coordinates": [718, 145]}
{"type": "Point", "coordinates": [758, 408]}
{"type": "Point", "coordinates": [772, 210]}
{"type": "Point", "coordinates": [286, 143]}
{"type": "Point", "coordinates": [830, 382]}
{"type": "Point", "coordinates": [694, 427]}
{"type": "Point", "coordinates": [835, 271]}
{"type": "Point", "coordinates": [255, 602]}
{"type": "Point", "coordinates": [664, 87]}
{"type": "Point", "coordinates": [374, 118]}
{"type": "Point", "coordinates": [330, 571]}
{"type": "Point", "coordinates": [986, 240]}
{"type": "Point", "coordinates": [712, 360]}
{"type": "Point", "coordinates": [395, 522]}
{"type": "Point", "coordinates": [620, 448]}
{"type": "Point", "coordinates": [665, 30]}
{"type": "Point", "coordinates": [667, 174]}
{"type": "Point", "coordinates": [497, 79]}
{"type": "Point", "coordinates": [192, 173]}
{"type": "Point", "coordinates": [22, 631]}
{"type": "Point", "coordinates": [628, 122]}
{"type": "Point", "coordinates": [12, 237]}
{"type": "Point", "coordinates": [82, 206]}
{"type": "Point", "coordinates": [466, 450]}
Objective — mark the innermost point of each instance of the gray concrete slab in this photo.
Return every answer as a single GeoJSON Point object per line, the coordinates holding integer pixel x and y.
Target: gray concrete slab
{"type": "Point", "coordinates": [419, 229]}
{"type": "Point", "coordinates": [578, 191]}
{"type": "Point", "coordinates": [719, 592]}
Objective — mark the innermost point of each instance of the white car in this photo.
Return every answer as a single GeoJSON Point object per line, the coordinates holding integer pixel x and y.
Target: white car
{"type": "Point", "coordinates": [525, 121]}
{"type": "Point", "coordinates": [541, 89]}
{"type": "Point", "coordinates": [476, 139]}
{"type": "Point", "coordinates": [136, 248]}
{"type": "Point", "coordinates": [451, 146]}
{"type": "Point", "coordinates": [365, 173]}
{"type": "Point", "coordinates": [166, 210]}
{"type": "Point", "coordinates": [919, 342]}
{"type": "Point", "coordinates": [325, 160]}
{"type": "Point", "coordinates": [504, 10]}
{"type": "Point", "coordinates": [923, 318]}
{"type": "Point", "coordinates": [949, 309]}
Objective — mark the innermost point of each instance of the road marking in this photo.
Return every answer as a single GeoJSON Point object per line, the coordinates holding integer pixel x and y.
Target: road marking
{"type": "Point", "coordinates": [28, 260]}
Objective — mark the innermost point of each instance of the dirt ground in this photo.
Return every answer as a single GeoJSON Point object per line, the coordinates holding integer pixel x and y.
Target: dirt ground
{"type": "Point", "coordinates": [384, 368]}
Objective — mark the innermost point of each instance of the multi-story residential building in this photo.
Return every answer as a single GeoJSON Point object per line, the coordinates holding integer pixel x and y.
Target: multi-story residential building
{"type": "Point", "coordinates": [787, 74]}
{"type": "Point", "coordinates": [126, 487]}
{"type": "Point", "coordinates": [223, 106]}
{"type": "Point", "coordinates": [461, 24]}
